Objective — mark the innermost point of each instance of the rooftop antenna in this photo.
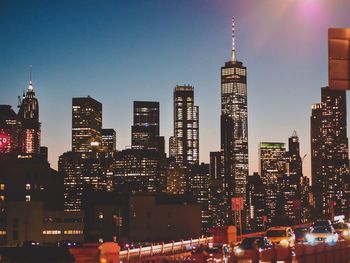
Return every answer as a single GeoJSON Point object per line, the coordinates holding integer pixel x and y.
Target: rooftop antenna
{"type": "Point", "coordinates": [30, 87]}
{"type": "Point", "coordinates": [233, 40]}
{"type": "Point", "coordinates": [30, 74]}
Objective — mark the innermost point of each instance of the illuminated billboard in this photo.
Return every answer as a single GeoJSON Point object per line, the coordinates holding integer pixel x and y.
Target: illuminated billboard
{"type": "Point", "coordinates": [4, 141]}
{"type": "Point", "coordinates": [339, 58]}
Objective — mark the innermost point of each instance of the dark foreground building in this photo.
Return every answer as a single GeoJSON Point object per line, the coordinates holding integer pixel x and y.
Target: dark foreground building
{"type": "Point", "coordinates": [140, 218]}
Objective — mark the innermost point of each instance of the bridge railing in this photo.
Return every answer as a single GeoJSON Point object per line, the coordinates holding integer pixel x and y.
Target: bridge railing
{"type": "Point", "coordinates": [163, 249]}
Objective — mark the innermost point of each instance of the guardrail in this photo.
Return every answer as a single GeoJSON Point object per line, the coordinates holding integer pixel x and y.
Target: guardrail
{"type": "Point", "coordinates": [163, 249]}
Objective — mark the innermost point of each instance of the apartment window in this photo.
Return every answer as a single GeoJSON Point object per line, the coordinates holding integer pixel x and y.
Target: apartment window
{"type": "Point", "coordinates": [27, 187]}
{"type": "Point", "coordinates": [2, 186]}
{"type": "Point", "coordinates": [28, 198]}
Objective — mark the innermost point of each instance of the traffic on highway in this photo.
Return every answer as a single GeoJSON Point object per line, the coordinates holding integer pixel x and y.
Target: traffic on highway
{"type": "Point", "coordinates": [284, 243]}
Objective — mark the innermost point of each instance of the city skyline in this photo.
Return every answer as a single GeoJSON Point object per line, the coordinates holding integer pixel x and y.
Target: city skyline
{"type": "Point", "coordinates": [262, 117]}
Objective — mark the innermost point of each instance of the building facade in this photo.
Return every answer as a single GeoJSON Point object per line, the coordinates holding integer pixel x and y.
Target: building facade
{"type": "Point", "coordinates": [256, 203]}
{"type": "Point", "coordinates": [109, 141]}
{"type": "Point", "coordinates": [138, 171]}
{"type": "Point", "coordinates": [145, 129]}
{"type": "Point", "coordinates": [86, 124]}
{"type": "Point", "coordinates": [198, 187]}
{"type": "Point", "coordinates": [9, 130]}
{"type": "Point", "coordinates": [292, 185]}
{"type": "Point", "coordinates": [186, 126]}
{"type": "Point", "coordinates": [330, 153]}
{"type": "Point", "coordinates": [272, 166]}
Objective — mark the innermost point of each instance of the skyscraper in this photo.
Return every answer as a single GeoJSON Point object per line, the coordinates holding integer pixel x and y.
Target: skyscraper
{"type": "Point", "coordinates": [330, 153]}
{"type": "Point", "coordinates": [234, 127]}
{"type": "Point", "coordinates": [292, 187]}
{"type": "Point", "coordinates": [29, 117]}
{"type": "Point", "coordinates": [145, 129]}
{"type": "Point", "coordinates": [186, 126]}
{"type": "Point", "coordinates": [83, 167]}
{"type": "Point", "coordinates": [272, 166]}
{"type": "Point", "coordinates": [217, 201]}
{"type": "Point", "coordinates": [256, 202]}
{"type": "Point", "coordinates": [86, 124]}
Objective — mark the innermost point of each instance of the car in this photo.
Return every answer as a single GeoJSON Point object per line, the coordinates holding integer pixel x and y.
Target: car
{"type": "Point", "coordinates": [210, 253]}
{"type": "Point", "coordinates": [322, 222]}
{"type": "Point", "coordinates": [301, 232]}
{"type": "Point", "coordinates": [342, 229]}
{"type": "Point", "coordinates": [281, 235]}
{"type": "Point", "coordinates": [322, 233]}
{"type": "Point", "coordinates": [30, 243]}
{"type": "Point", "coordinates": [66, 243]}
{"type": "Point", "coordinates": [251, 247]}
{"type": "Point", "coordinates": [252, 243]}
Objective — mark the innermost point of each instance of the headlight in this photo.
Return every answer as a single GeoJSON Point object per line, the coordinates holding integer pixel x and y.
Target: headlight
{"type": "Point", "coordinates": [310, 238]}
{"type": "Point", "coordinates": [238, 251]}
{"type": "Point", "coordinates": [284, 242]}
{"type": "Point", "coordinates": [345, 232]}
{"type": "Point", "coordinates": [329, 239]}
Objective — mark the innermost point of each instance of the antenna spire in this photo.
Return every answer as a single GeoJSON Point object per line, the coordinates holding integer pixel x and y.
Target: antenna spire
{"type": "Point", "coordinates": [233, 40]}
{"type": "Point", "coordinates": [30, 74]}
{"type": "Point", "coordinates": [30, 87]}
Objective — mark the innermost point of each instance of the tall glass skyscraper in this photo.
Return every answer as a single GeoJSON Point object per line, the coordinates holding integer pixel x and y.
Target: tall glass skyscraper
{"type": "Point", "coordinates": [234, 127]}
{"type": "Point", "coordinates": [186, 126]}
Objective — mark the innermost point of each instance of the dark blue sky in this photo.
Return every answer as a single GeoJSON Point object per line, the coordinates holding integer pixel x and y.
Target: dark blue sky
{"type": "Point", "coordinates": [121, 51]}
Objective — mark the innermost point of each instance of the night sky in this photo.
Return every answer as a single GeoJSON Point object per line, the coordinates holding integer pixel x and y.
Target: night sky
{"type": "Point", "coordinates": [121, 51]}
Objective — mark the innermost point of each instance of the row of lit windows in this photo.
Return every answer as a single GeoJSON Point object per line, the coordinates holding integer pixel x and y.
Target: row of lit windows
{"type": "Point", "coordinates": [65, 232]}
{"type": "Point", "coordinates": [231, 71]}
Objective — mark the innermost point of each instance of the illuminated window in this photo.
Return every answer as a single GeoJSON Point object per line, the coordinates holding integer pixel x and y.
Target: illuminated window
{"type": "Point", "coordinates": [27, 187]}
{"type": "Point", "coordinates": [28, 198]}
{"type": "Point", "coordinates": [2, 198]}
{"type": "Point", "coordinates": [52, 232]}
{"type": "Point", "coordinates": [100, 215]}
{"type": "Point", "coordinates": [2, 233]}
{"type": "Point", "coordinates": [2, 186]}
{"type": "Point", "coordinates": [73, 232]}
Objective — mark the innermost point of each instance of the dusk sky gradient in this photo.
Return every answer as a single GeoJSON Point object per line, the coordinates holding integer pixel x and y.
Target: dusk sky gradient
{"type": "Point", "coordinates": [121, 51]}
